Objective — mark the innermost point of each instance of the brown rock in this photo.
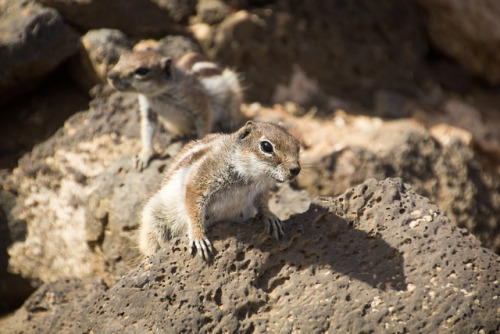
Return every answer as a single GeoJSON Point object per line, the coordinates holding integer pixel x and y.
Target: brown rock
{"type": "Point", "coordinates": [212, 11]}
{"type": "Point", "coordinates": [138, 18]}
{"type": "Point", "coordinates": [378, 258]}
{"type": "Point", "coordinates": [350, 49]}
{"type": "Point", "coordinates": [51, 184]}
{"type": "Point", "coordinates": [35, 117]}
{"type": "Point", "coordinates": [468, 31]}
{"type": "Point", "coordinates": [171, 46]}
{"type": "Point", "coordinates": [177, 46]}
{"type": "Point", "coordinates": [55, 307]}
{"type": "Point", "coordinates": [99, 50]}
{"type": "Point", "coordinates": [34, 40]}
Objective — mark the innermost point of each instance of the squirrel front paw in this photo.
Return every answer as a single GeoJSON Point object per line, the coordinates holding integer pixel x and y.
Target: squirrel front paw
{"type": "Point", "coordinates": [141, 161]}
{"type": "Point", "coordinates": [273, 226]}
{"type": "Point", "coordinates": [202, 246]}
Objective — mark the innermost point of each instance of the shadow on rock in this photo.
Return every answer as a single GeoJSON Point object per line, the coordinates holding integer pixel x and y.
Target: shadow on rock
{"type": "Point", "coordinates": [319, 239]}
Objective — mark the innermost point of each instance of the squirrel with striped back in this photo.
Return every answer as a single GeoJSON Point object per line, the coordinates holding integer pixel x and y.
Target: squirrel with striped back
{"type": "Point", "coordinates": [220, 177]}
{"type": "Point", "coordinates": [191, 95]}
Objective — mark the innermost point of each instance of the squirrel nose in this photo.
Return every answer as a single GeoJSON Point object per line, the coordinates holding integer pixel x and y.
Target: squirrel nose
{"type": "Point", "coordinates": [295, 171]}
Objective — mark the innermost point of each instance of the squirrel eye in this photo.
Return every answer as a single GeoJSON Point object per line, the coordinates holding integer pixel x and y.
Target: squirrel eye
{"type": "Point", "coordinates": [266, 147]}
{"type": "Point", "coordinates": [141, 71]}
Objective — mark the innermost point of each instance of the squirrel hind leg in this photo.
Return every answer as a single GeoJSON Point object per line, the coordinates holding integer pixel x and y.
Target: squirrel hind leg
{"type": "Point", "coordinates": [153, 235]}
{"type": "Point", "coordinates": [148, 242]}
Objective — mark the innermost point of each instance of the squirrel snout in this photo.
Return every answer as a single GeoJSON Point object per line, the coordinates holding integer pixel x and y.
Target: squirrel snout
{"type": "Point", "coordinates": [295, 171]}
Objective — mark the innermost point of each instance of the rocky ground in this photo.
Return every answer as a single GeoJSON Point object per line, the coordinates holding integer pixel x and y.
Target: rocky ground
{"type": "Point", "coordinates": [378, 258]}
{"type": "Point", "coordinates": [392, 108]}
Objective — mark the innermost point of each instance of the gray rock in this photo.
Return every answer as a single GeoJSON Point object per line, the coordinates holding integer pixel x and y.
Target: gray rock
{"type": "Point", "coordinates": [468, 31]}
{"type": "Point", "coordinates": [287, 201]}
{"type": "Point", "coordinates": [33, 41]}
{"type": "Point", "coordinates": [379, 258]}
{"type": "Point", "coordinates": [34, 117]}
{"type": "Point", "coordinates": [55, 307]}
{"type": "Point", "coordinates": [137, 18]}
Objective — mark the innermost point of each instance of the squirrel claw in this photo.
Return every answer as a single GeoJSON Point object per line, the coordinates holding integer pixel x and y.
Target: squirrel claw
{"type": "Point", "coordinates": [273, 226]}
{"type": "Point", "coordinates": [203, 247]}
{"type": "Point", "coordinates": [141, 161]}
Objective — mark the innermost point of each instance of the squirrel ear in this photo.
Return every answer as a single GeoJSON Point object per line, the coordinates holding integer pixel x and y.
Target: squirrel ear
{"type": "Point", "coordinates": [166, 64]}
{"type": "Point", "coordinates": [246, 130]}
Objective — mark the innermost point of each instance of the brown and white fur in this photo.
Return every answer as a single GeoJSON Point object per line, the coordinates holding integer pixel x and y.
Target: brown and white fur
{"type": "Point", "coordinates": [223, 89]}
{"type": "Point", "coordinates": [188, 101]}
{"type": "Point", "coordinates": [221, 177]}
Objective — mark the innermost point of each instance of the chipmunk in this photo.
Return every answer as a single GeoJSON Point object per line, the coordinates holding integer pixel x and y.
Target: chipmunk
{"type": "Point", "coordinates": [220, 177]}
{"type": "Point", "coordinates": [191, 95]}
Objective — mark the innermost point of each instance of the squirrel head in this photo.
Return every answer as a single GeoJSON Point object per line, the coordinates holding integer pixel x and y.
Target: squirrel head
{"type": "Point", "coordinates": [146, 72]}
{"type": "Point", "coordinates": [267, 150]}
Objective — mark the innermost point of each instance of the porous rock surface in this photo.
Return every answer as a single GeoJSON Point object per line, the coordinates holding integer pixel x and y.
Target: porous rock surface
{"type": "Point", "coordinates": [51, 186]}
{"type": "Point", "coordinates": [34, 40]}
{"type": "Point", "coordinates": [379, 258]}
{"type": "Point", "coordinates": [55, 307]}
{"type": "Point", "coordinates": [342, 151]}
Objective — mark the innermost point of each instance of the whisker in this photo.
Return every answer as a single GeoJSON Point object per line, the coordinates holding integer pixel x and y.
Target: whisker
{"type": "Point", "coordinates": [307, 172]}
{"type": "Point", "coordinates": [310, 167]}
